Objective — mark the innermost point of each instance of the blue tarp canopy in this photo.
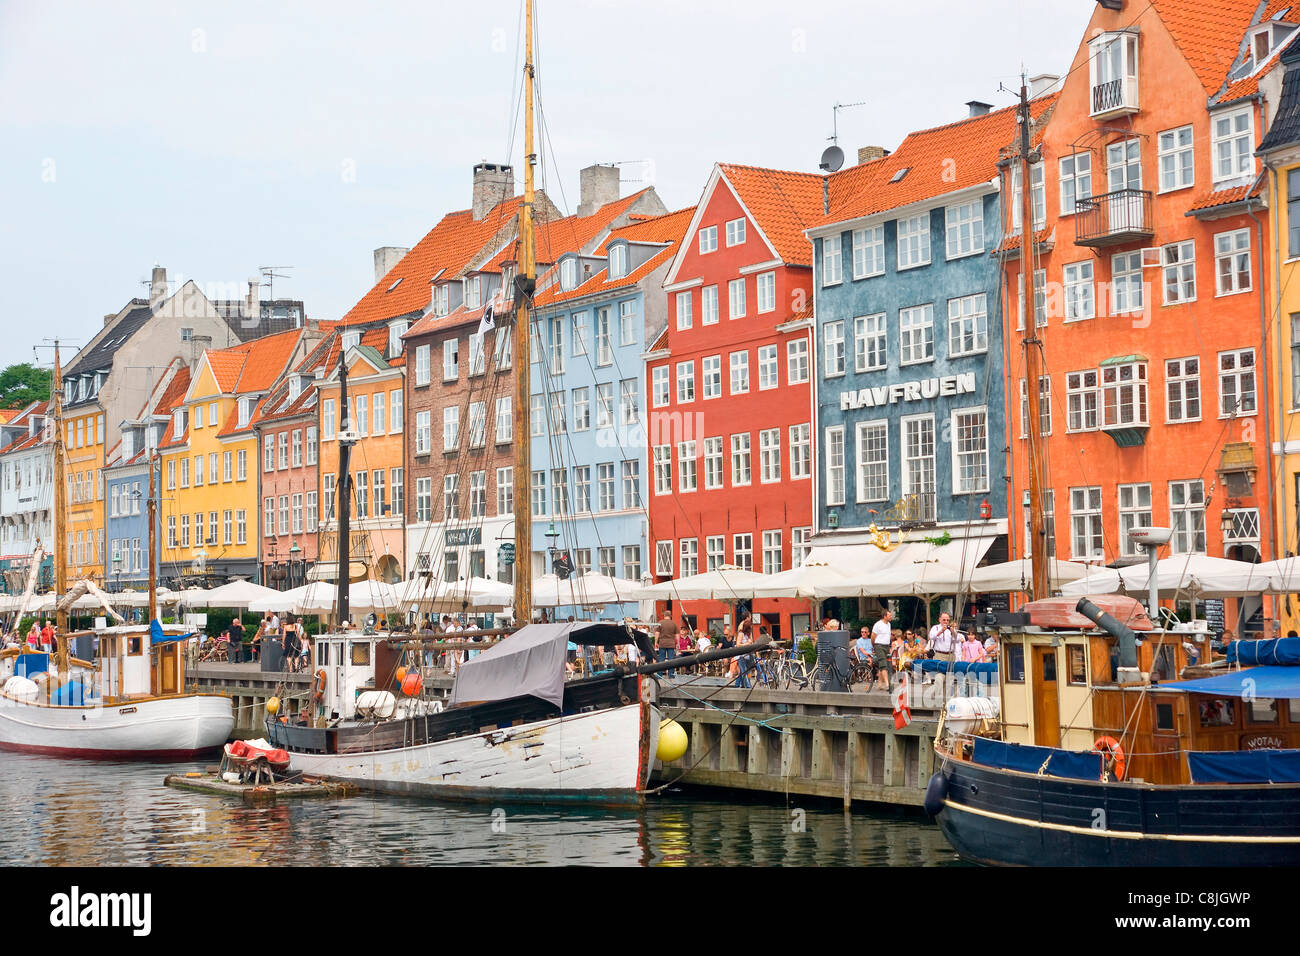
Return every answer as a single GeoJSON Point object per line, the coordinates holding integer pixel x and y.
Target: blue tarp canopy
{"type": "Point", "coordinates": [1246, 766]}
{"type": "Point", "coordinates": [156, 635]}
{"type": "Point", "coordinates": [25, 665]}
{"type": "Point", "coordinates": [1075, 765]}
{"type": "Point", "coordinates": [956, 667]}
{"type": "Point", "coordinates": [1253, 682]}
{"type": "Point", "coordinates": [73, 693]}
{"type": "Point", "coordinates": [1277, 650]}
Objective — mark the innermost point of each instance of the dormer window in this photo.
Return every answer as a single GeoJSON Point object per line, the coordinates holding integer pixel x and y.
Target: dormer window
{"type": "Point", "coordinates": [441, 300]}
{"type": "Point", "coordinates": [70, 391]}
{"type": "Point", "coordinates": [128, 444]}
{"type": "Point", "coordinates": [198, 416]}
{"type": "Point", "coordinates": [568, 274]}
{"type": "Point", "coordinates": [1113, 74]}
{"type": "Point", "coordinates": [1266, 40]}
{"type": "Point", "coordinates": [1233, 145]}
{"type": "Point", "coordinates": [395, 332]}
{"type": "Point", "coordinates": [246, 405]}
{"type": "Point", "coordinates": [295, 387]}
{"type": "Point", "coordinates": [618, 261]}
{"type": "Point", "coordinates": [351, 340]}
{"type": "Point", "coordinates": [178, 423]}
{"type": "Point", "coordinates": [508, 280]}
{"type": "Point", "coordinates": [473, 292]}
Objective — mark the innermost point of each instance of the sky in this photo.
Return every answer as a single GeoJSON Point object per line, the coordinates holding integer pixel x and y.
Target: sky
{"type": "Point", "coordinates": [215, 139]}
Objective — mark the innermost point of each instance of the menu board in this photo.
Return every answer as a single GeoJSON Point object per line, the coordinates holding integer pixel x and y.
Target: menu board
{"type": "Point", "coordinates": [1214, 614]}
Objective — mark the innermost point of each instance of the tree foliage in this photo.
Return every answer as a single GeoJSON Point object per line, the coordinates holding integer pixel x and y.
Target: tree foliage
{"type": "Point", "coordinates": [22, 384]}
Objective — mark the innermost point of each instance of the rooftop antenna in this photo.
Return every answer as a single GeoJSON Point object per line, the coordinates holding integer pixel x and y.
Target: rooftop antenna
{"type": "Point", "coordinates": [269, 275]}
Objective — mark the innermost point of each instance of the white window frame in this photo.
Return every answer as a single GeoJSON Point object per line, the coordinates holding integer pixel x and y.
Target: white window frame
{"type": "Point", "coordinates": [1231, 262]}
{"type": "Point", "coordinates": [708, 240]}
{"type": "Point", "coordinates": [916, 334]}
{"type": "Point", "coordinates": [1080, 293]}
{"type": "Point", "coordinates": [968, 325]}
{"type": "Point", "coordinates": [833, 362]}
{"type": "Point", "coordinates": [1176, 159]}
{"type": "Point", "coordinates": [1075, 171]}
{"type": "Point", "coordinates": [868, 252]}
{"type": "Point", "coordinates": [914, 241]}
{"type": "Point", "coordinates": [736, 304]}
{"type": "Point", "coordinates": [1176, 263]}
{"type": "Point", "coordinates": [1237, 160]}
{"type": "Point", "coordinates": [736, 231]}
{"type": "Point", "coordinates": [964, 229]}
{"type": "Point", "coordinates": [1177, 380]}
{"type": "Point", "coordinates": [832, 260]}
{"type": "Point", "coordinates": [869, 436]}
{"type": "Point", "coordinates": [981, 455]}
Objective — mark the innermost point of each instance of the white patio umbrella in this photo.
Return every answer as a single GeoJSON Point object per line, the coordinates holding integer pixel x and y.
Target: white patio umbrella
{"type": "Point", "coordinates": [192, 597]}
{"type": "Point", "coordinates": [279, 601]}
{"type": "Point", "coordinates": [449, 597]}
{"type": "Point", "coordinates": [1194, 575]}
{"type": "Point", "coordinates": [130, 598]}
{"type": "Point", "coordinates": [725, 583]}
{"type": "Point", "coordinates": [236, 594]}
{"type": "Point", "coordinates": [813, 581]}
{"type": "Point", "coordinates": [583, 590]}
{"type": "Point", "coordinates": [1018, 575]}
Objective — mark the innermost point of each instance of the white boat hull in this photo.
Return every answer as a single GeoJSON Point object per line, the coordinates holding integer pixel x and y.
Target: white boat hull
{"type": "Point", "coordinates": [595, 756]}
{"type": "Point", "coordinates": [159, 728]}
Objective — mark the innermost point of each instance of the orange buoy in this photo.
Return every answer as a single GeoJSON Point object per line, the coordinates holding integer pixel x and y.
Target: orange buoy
{"type": "Point", "coordinates": [318, 686]}
{"type": "Point", "coordinates": [401, 674]}
{"type": "Point", "coordinates": [411, 684]}
{"type": "Point", "coordinates": [1111, 752]}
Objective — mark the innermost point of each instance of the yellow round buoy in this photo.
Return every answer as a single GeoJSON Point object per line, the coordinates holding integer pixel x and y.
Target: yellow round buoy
{"type": "Point", "coordinates": [672, 741]}
{"type": "Point", "coordinates": [401, 674]}
{"type": "Point", "coordinates": [273, 706]}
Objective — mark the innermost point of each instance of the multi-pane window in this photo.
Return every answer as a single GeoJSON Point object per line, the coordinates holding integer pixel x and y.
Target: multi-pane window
{"type": "Point", "coordinates": [968, 325]}
{"type": "Point", "coordinates": [1134, 512]}
{"type": "Point", "coordinates": [423, 499]}
{"type": "Point", "coordinates": [1079, 302]}
{"type": "Point", "coordinates": [659, 386]}
{"type": "Point", "coordinates": [631, 484]}
{"type": "Point", "coordinates": [832, 260]}
{"type": "Point", "coordinates": [581, 409]}
{"type": "Point", "coordinates": [477, 494]}
{"type": "Point", "coordinates": [709, 305]}
{"type": "Point", "coordinates": [241, 457]}
{"type": "Point", "coordinates": [581, 488]}
{"type": "Point", "coordinates": [579, 321]}
{"type": "Point", "coordinates": [1295, 360]}
{"type": "Point", "coordinates": [398, 491]}
{"type": "Point", "coordinates": [714, 552]}
{"type": "Point", "coordinates": [505, 491]}
{"type": "Point", "coordinates": [743, 549]}
{"type": "Point", "coordinates": [769, 450]}
{"type": "Point", "coordinates": [767, 367]}
{"type": "Point", "coordinates": [1038, 193]}
{"type": "Point", "coordinates": [394, 416]}
{"type": "Point", "coordinates": [555, 346]}
{"type": "Point", "coordinates": [1076, 180]}
{"type": "Point", "coordinates": [450, 428]}
{"type": "Point", "coordinates": [627, 322]}
{"type": "Point", "coordinates": [1040, 299]}
{"type": "Point", "coordinates": [311, 514]}
{"type": "Point", "coordinates": [1183, 389]}
{"type": "Point", "coordinates": [965, 229]}
{"type": "Point", "coordinates": [868, 252]}
{"type": "Point", "coordinates": [736, 298]}
{"type": "Point", "coordinates": [421, 366]}
{"type": "Point", "coordinates": [766, 283]}
{"type": "Point", "coordinates": [477, 424]}
{"type": "Point", "coordinates": [539, 494]}
{"type": "Point", "coordinates": [663, 457]}
{"type": "Point", "coordinates": [870, 345]}
{"type": "Point", "coordinates": [268, 453]}
{"type": "Point", "coordinates": [914, 241]}
{"type": "Point", "coordinates": [1174, 151]}
{"type": "Point", "coordinates": [735, 231]}
{"type": "Point", "coordinates": [1232, 262]}
{"type": "Point", "coordinates": [690, 552]}
{"type": "Point", "coordinates": [297, 453]}
{"type": "Point", "coordinates": [685, 382]}
{"type": "Point", "coordinates": [708, 239]}
{"type": "Point", "coordinates": [363, 419]}
{"type": "Point", "coordinates": [713, 462]}
{"type": "Point", "coordinates": [918, 461]}
{"type": "Point", "coordinates": [604, 348]}
{"type": "Point", "coordinates": [1080, 401]}
{"type": "Point", "coordinates": [423, 432]}
{"type": "Point", "coordinates": [740, 463]}
{"type": "Point", "coordinates": [536, 415]}
{"type": "Point", "coordinates": [1293, 212]}
{"type": "Point", "coordinates": [835, 466]}
{"type": "Point", "coordinates": [560, 491]}
{"type": "Point", "coordinates": [833, 348]}
{"type": "Point", "coordinates": [916, 334]}
{"type": "Point", "coordinates": [605, 405]}
{"type": "Point", "coordinates": [629, 401]}
{"type": "Point", "coordinates": [450, 359]}
{"type": "Point", "coordinates": [1085, 524]}
{"type": "Point", "coordinates": [605, 486]}
{"type": "Point", "coordinates": [739, 372]}
{"type": "Point", "coordinates": [800, 545]}
{"type": "Point", "coordinates": [1178, 262]}
{"type": "Point", "coordinates": [771, 552]}
{"type": "Point", "coordinates": [873, 461]}
{"type": "Point", "coordinates": [1126, 282]}
{"type": "Point", "coordinates": [1233, 145]}
{"type": "Point", "coordinates": [663, 557]}
{"type": "Point", "coordinates": [796, 361]}
{"type": "Point", "coordinates": [558, 408]}
{"type": "Point", "coordinates": [607, 565]}
{"type": "Point", "coordinates": [711, 368]}
{"type": "Point", "coordinates": [380, 490]}
{"type": "Point", "coordinates": [970, 451]}
{"type": "Point", "coordinates": [1187, 515]}
{"type": "Point", "coordinates": [361, 486]}
{"type": "Point", "coordinates": [686, 465]}
{"type": "Point", "coordinates": [1124, 395]}
{"type": "Point", "coordinates": [1237, 382]}
{"type": "Point", "coordinates": [297, 517]}
{"type": "Point", "coordinates": [800, 451]}
{"type": "Point", "coordinates": [684, 317]}
{"type": "Point", "coordinates": [505, 419]}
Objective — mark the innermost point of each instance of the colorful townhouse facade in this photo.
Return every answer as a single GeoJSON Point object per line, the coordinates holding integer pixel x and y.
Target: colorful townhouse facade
{"type": "Point", "coordinates": [1151, 287]}
{"type": "Point", "coordinates": [730, 420]}
{"type": "Point", "coordinates": [909, 366]}
{"type": "Point", "coordinates": [587, 419]}
{"type": "Point", "coordinates": [26, 497]}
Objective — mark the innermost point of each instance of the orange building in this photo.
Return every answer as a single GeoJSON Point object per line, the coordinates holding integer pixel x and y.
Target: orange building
{"type": "Point", "coordinates": [1149, 282]}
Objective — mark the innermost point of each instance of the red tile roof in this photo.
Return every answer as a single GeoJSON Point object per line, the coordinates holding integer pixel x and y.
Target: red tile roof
{"type": "Point", "coordinates": [782, 204]}
{"type": "Point", "coordinates": [569, 234]}
{"type": "Point", "coordinates": [667, 228]}
{"type": "Point", "coordinates": [1223, 197]}
{"type": "Point", "coordinates": [1208, 34]}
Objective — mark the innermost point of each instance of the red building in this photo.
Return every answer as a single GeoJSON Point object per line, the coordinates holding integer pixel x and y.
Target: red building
{"type": "Point", "coordinates": [730, 399]}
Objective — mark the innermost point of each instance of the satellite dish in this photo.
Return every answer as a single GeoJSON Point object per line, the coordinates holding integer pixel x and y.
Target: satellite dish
{"type": "Point", "coordinates": [832, 159]}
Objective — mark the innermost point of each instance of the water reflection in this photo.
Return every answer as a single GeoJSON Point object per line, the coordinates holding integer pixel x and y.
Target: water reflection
{"type": "Point", "coordinates": [92, 814]}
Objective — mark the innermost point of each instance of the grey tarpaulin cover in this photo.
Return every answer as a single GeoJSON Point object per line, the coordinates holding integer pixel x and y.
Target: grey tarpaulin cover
{"type": "Point", "coordinates": [531, 662]}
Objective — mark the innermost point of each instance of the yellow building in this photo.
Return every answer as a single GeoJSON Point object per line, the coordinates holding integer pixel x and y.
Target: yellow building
{"type": "Point", "coordinates": [83, 428]}
{"type": "Point", "coordinates": [209, 513]}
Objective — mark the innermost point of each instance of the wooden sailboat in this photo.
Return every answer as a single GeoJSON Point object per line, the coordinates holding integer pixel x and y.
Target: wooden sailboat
{"type": "Point", "coordinates": [127, 704]}
{"type": "Point", "coordinates": [514, 729]}
{"type": "Point", "coordinates": [1097, 758]}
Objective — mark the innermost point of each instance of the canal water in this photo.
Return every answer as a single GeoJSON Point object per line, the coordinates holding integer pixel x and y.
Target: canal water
{"type": "Point", "coordinates": [106, 814]}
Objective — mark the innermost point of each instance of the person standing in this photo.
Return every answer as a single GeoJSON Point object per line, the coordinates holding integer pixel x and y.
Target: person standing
{"type": "Point", "coordinates": [234, 640]}
{"type": "Point", "coordinates": [48, 642]}
{"type": "Point", "coordinates": [666, 643]}
{"type": "Point", "coordinates": [882, 634]}
{"type": "Point", "coordinates": [944, 638]}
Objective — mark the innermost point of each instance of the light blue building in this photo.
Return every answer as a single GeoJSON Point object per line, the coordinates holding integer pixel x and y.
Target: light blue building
{"type": "Point", "coordinates": [126, 490]}
{"type": "Point", "coordinates": [587, 413]}
{"type": "Point", "coordinates": [910, 395]}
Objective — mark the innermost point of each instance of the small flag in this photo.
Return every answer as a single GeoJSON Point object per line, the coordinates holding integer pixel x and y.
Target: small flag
{"type": "Point", "coordinates": [902, 712]}
{"type": "Point", "coordinates": [486, 324]}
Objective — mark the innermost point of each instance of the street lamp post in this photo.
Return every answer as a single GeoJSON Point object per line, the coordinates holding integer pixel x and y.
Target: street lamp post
{"type": "Point", "coordinates": [295, 558]}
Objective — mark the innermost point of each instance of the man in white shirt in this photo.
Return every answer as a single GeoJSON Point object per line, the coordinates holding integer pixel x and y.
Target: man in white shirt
{"type": "Point", "coordinates": [881, 636]}
{"type": "Point", "coordinates": [944, 638]}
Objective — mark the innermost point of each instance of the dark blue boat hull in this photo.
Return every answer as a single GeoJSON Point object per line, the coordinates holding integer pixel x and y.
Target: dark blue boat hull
{"type": "Point", "coordinates": [1003, 817]}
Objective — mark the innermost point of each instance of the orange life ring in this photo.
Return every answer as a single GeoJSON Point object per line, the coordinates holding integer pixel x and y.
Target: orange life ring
{"type": "Point", "coordinates": [318, 686]}
{"type": "Point", "coordinates": [1110, 749]}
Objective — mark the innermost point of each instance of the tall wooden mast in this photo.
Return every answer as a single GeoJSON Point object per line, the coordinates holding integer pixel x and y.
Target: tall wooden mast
{"type": "Point", "coordinates": [1032, 348]}
{"type": "Point", "coordinates": [60, 493]}
{"type": "Point", "coordinates": [152, 511]}
{"type": "Point", "coordinates": [525, 282]}
{"type": "Point", "coordinates": [343, 493]}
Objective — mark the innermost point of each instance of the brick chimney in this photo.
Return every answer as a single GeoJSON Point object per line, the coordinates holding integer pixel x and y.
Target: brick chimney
{"type": "Point", "coordinates": [867, 154]}
{"type": "Point", "coordinates": [158, 286]}
{"type": "Point", "coordinates": [597, 185]}
{"type": "Point", "coordinates": [493, 182]}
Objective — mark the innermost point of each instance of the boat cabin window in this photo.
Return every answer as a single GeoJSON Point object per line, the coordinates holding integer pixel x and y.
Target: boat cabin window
{"type": "Point", "coordinates": [361, 653]}
{"type": "Point", "coordinates": [1015, 663]}
{"type": "Point", "coordinates": [1163, 664]}
{"type": "Point", "coordinates": [1078, 668]}
{"type": "Point", "coordinates": [1263, 710]}
{"type": "Point", "coordinates": [322, 653]}
{"type": "Point", "coordinates": [1218, 712]}
{"type": "Point", "coordinates": [1295, 710]}
{"type": "Point", "coordinates": [135, 645]}
{"type": "Point", "coordinates": [1164, 716]}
